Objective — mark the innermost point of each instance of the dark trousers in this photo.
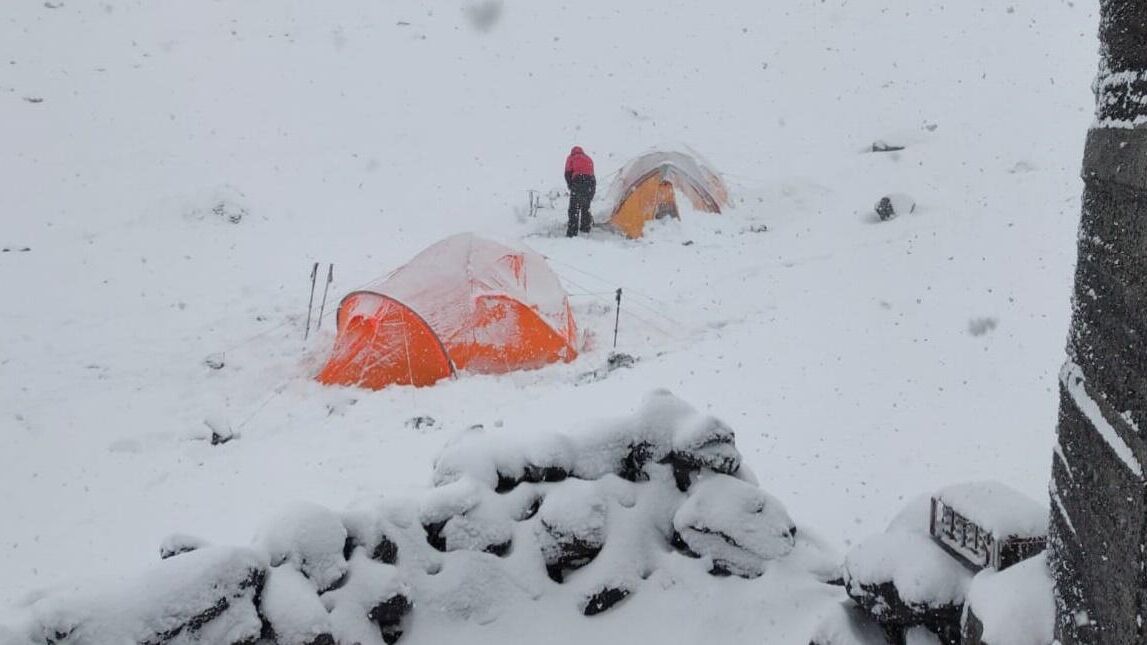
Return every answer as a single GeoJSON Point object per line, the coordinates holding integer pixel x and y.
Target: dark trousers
{"type": "Point", "coordinates": [582, 188]}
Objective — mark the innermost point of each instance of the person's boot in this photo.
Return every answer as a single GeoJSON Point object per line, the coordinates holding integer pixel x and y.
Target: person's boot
{"type": "Point", "coordinates": [586, 222]}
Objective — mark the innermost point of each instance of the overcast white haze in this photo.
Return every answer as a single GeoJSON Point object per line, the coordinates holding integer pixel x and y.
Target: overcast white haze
{"type": "Point", "coordinates": [860, 363]}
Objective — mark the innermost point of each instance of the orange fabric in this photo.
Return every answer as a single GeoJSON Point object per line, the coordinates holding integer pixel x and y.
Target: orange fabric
{"type": "Point", "coordinates": [506, 335]}
{"type": "Point", "coordinates": [381, 342]}
{"type": "Point", "coordinates": [647, 199]}
{"type": "Point", "coordinates": [464, 303]}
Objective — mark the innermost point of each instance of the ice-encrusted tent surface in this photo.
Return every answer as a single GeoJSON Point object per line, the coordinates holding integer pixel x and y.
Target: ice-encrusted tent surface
{"type": "Point", "coordinates": [464, 303]}
{"type": "Point", "coordinates": [644, 189]}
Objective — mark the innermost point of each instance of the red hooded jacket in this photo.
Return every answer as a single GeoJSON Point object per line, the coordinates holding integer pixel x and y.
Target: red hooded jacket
{"type": "Point", "coordinates": [578, 163]}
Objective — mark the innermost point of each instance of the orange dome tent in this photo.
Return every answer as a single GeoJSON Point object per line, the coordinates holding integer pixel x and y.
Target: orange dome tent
{"type": "Point", "coordinates": [464, 303]}
{"type": "Point", "coordinates": [645, 188]}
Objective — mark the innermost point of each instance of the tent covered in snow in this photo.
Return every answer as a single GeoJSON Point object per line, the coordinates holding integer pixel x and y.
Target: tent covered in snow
{"type": "Point", "coordinates": [462, 304]}
{"type": "Point", "coordinates": [645, 189]}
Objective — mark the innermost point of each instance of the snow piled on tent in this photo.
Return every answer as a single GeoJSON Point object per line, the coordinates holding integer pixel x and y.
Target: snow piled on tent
{"type": "Point", "coordinates": [443, 282]}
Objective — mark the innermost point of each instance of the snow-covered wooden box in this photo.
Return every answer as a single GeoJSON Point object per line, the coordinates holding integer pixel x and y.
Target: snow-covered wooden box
{"type": "Point", "coordinates": [987, 524]}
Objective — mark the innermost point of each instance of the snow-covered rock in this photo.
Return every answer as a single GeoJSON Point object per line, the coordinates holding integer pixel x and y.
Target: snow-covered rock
{"type": "Point", "coordinates": [204, 596]}
{"type": "Point", "coordinates": [293, 610]}
{"type": "Point", "coordinates": [462, 515]}
{"type": "Point", "coordinates": [370, 607]}
{"type": "Point", "coordinates": [1011, 607]}
{"type": "Point", "coordinates": [903, 579]}
{"type": "Point", "coordinates": [477, 533]}
{"type": "Point", "coordinates": [703, 441]}
{"type": "Point", "coordinates": [571, 526]}
{"type": "Point", "coordinates": [604, 599]}
{"type": "Point", "coordinates": [501, 462]}
{"type": "Point", "coordinates": [373, 533]}
{"type": "Point", "coordinates": [922, 574]}
{"type": "Point", "coordinates": [881, 146]}
{"type": "Point", "coordinates": [893, 205]}
{"type": "Point", "coordinates": [664, 429]}
{"type": "Point", "coordinates": [311, 538]}
{"type": "Point", "coordinates": [179, 543]}
{"type": "Point", "coordinates": [736, 524]}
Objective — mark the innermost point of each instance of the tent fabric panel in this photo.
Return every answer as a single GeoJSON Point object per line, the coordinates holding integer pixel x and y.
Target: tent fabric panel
{"type": "Point", "coordinates": [383, 342]}
{"type": "Point", "coordinates": [505, 335]}
{"type": "Point", "coordinates": [640, 205]}
{"type": "Point", "coordinates": [443, 282]}
{"type": "Point", "coordinates": [700, 192]}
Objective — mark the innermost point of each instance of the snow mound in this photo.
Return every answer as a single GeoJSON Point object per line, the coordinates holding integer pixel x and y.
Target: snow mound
{"type": "Point", "coordinates": [204, 596]}
{"type": "Point", "coordinates": [922, 572]}
{"type": "Point", "coordinates": [472, 586]}
{"type": "Point", "coordinates": [1015, 606]}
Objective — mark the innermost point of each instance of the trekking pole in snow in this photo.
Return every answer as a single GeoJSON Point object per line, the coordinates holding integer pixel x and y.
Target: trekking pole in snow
{"type": "Point", "coordinates": [311, 302]}
{"type": "Point", "coordinates": [617, 318]}
{"type": "Point", "coordinates": [323, 306]}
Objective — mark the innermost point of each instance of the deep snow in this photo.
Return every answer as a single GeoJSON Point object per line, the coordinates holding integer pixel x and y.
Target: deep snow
{"type": "Point", "coordinates": [360, 132]}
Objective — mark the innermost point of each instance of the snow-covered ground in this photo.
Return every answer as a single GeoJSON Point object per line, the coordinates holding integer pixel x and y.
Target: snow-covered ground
{"type": "Point", "coordinates": [860, 363]}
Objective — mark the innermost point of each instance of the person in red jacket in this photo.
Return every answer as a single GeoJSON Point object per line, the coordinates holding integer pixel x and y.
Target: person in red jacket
{"type": "Point", "coordinates": [582, 185]}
